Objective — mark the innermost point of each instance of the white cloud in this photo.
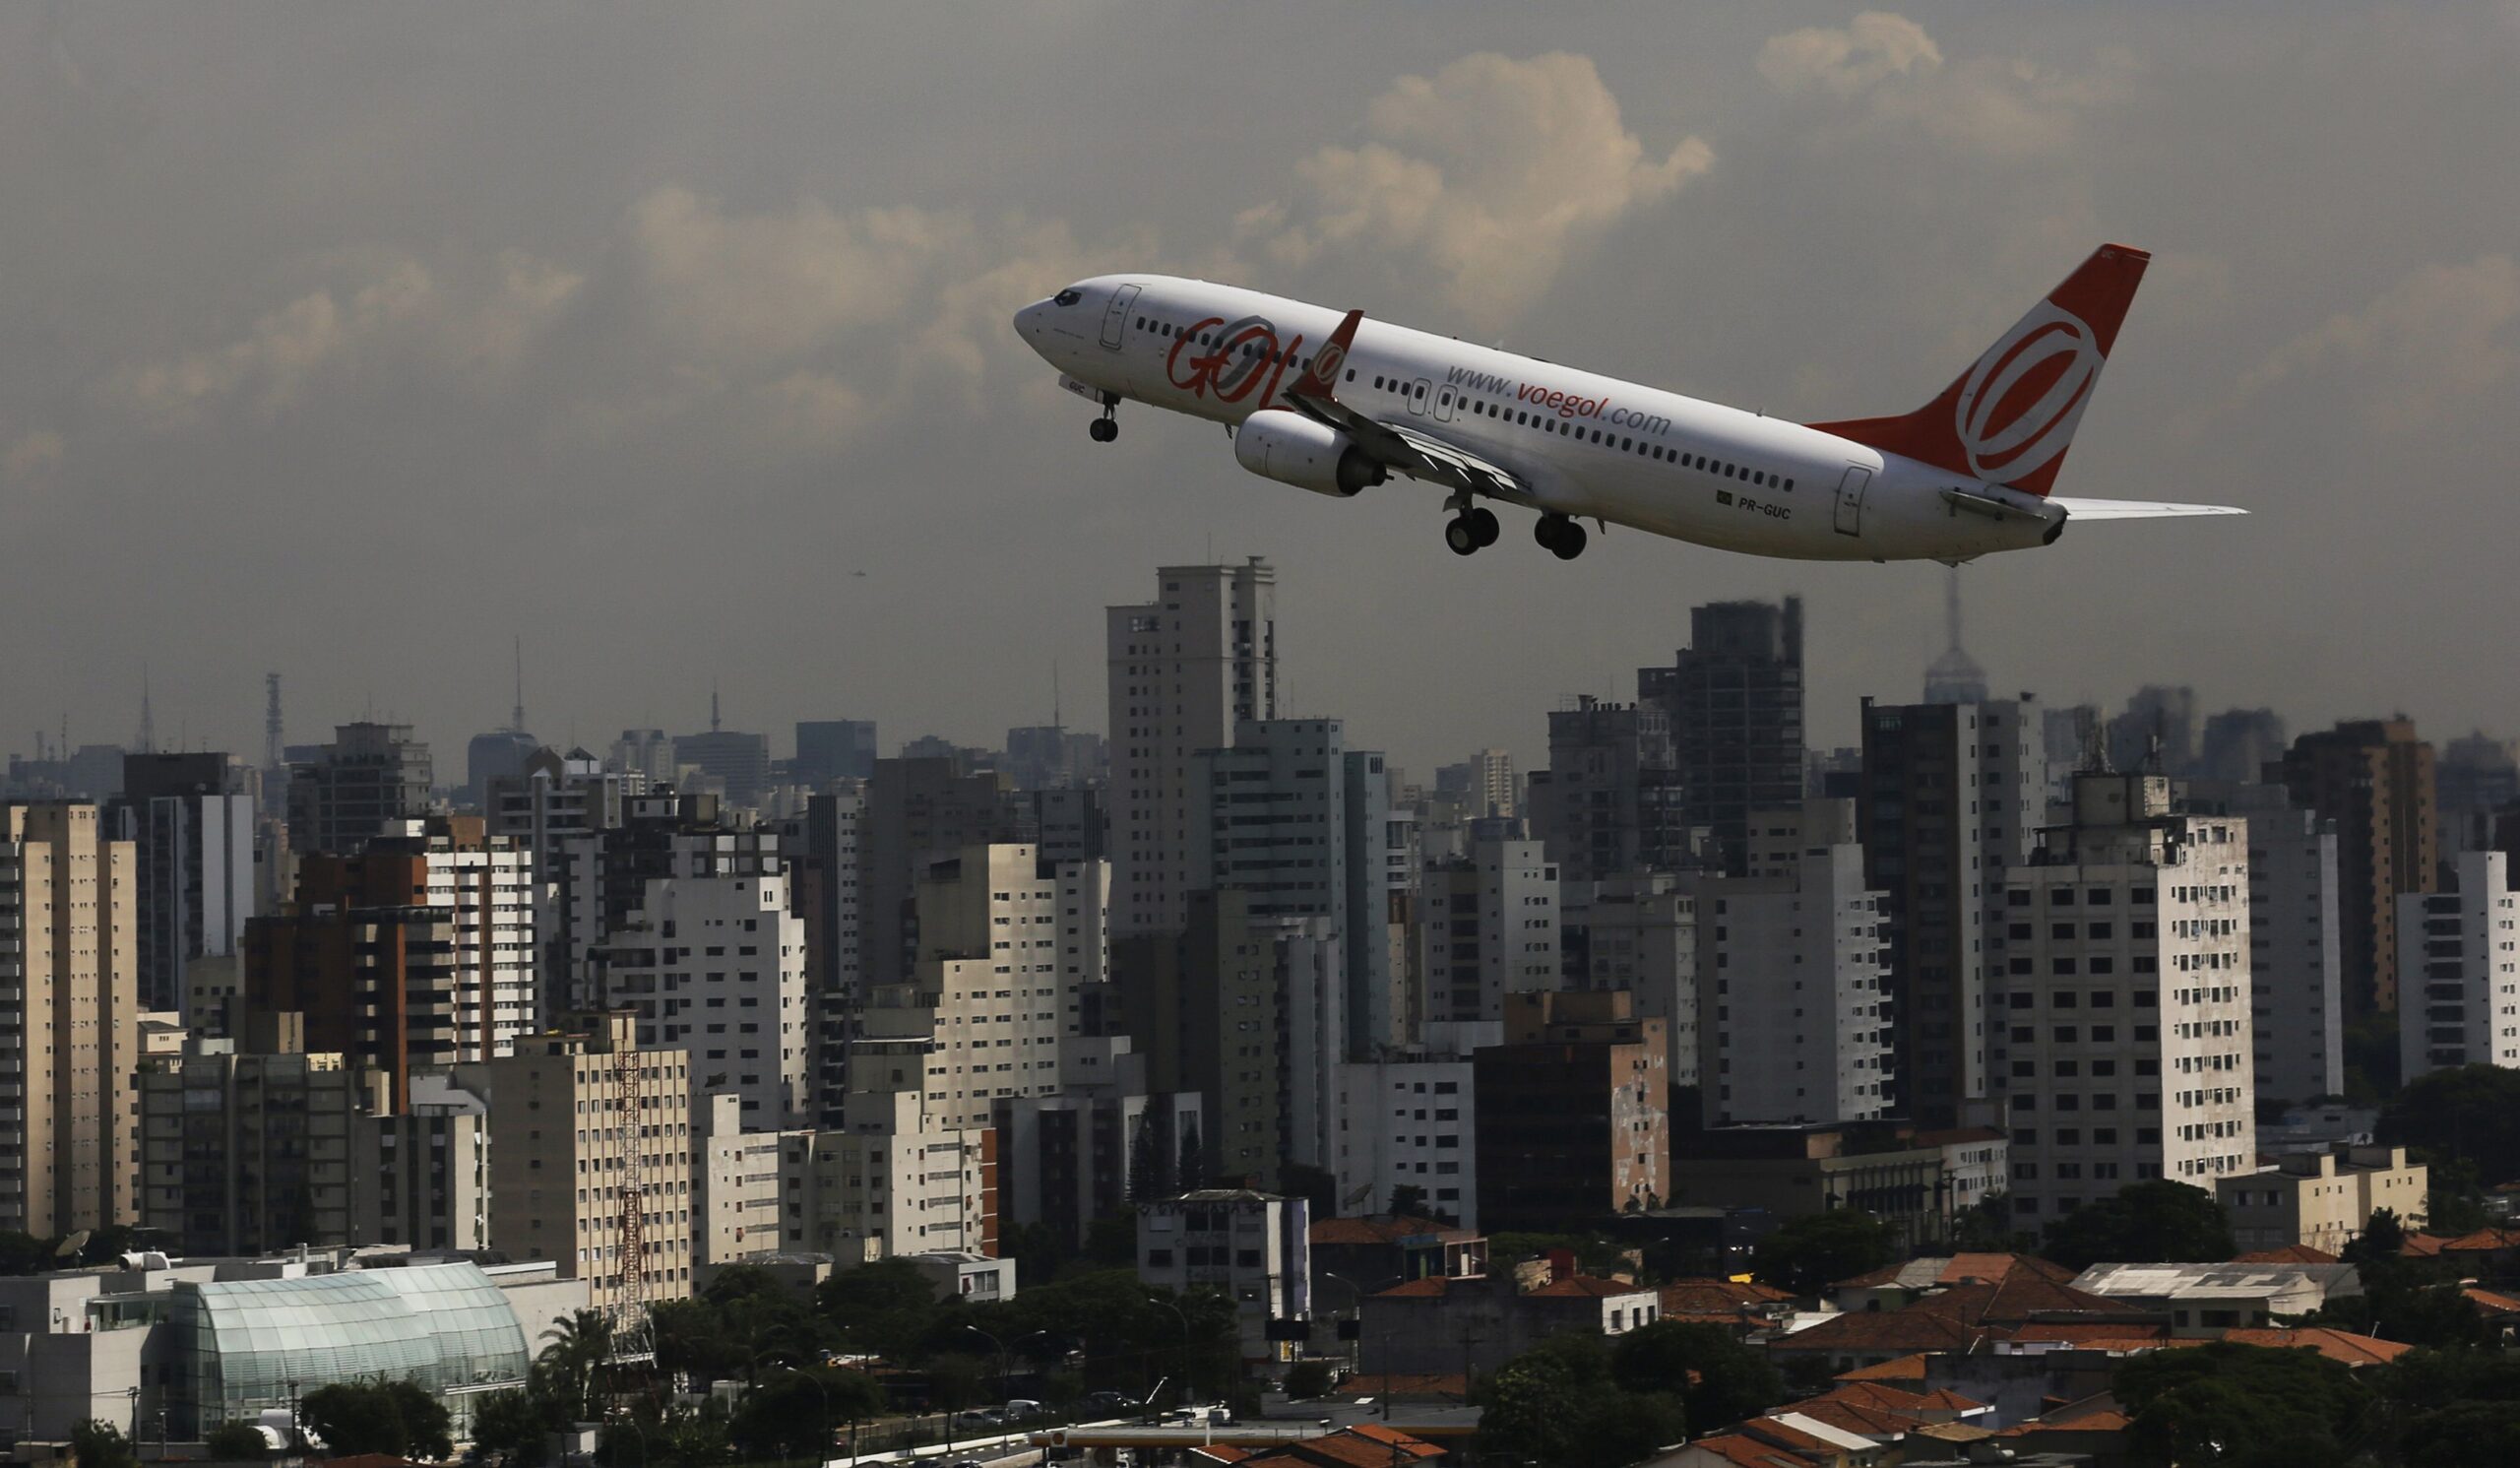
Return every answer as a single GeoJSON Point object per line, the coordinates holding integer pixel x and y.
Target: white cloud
{"type": "Point", "coordinates": [1495, 172]}
{"type": "Point", "coordinates": [2424, 353]}
{"type": "Point", "coordinates": [1882, 73]}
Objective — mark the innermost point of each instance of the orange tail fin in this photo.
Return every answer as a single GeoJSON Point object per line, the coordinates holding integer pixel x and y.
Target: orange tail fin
{"type": "Point", "coordinates": [2010, 417]}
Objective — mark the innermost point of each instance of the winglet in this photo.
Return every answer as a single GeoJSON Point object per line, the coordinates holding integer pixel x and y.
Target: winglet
{"type": "Point", "coordinates": [1321, 377]}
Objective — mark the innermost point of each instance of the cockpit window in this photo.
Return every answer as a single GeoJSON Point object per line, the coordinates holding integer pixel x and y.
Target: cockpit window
{"type": "Point", "coordinates": [1068, 297]}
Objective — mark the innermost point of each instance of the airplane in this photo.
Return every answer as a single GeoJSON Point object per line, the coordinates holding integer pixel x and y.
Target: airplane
{"type": "Point", "coordinates": [1337, 405]}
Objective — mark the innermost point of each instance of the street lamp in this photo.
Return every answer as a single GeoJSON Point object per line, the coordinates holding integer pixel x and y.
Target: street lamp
{"type": "Point", "coordinates": [822, 1423]}
{"type": "Point", "coordinates": [1000, 1346]}
{"type": "Point", "coordinates": [1184, 1316]}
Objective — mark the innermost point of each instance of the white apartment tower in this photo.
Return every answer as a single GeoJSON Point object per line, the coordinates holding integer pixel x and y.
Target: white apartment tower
{"type": "Point", "coordinates": [1490, 929]}
{"type": "Point", "coordinates": [1642, 932]}
{"type": "Point", "coordinates": [715, 965]}
{"type": "Point", "coordinates": [2462, 948]}
{"type": "Point", "coordinates": [1185, 670]}
{"type": "Point", "coordinates": [2126, 1044]}
{"type": "Point", "coordinates": [1792, 975]}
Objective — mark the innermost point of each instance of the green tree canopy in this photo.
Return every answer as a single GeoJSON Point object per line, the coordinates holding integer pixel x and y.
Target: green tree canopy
{"type": "Point", "coordinates": [1558, 1405]}
{"type": "Point", "coordinates": [395, 1416]}
{"type": "Point", "coordinates": [2240, 1407]}
{"type": "Point", "coordinates": [2470, 1114]}
{"type": "Point", "coordinates": [512, 1425]}
{"type": "Point", "coordinates": [236, 1443]}
{"type": "Point", "coordinates": [1809, 1254]}
{"type": "Point", "coordinates": [1732, 1382]}
{"type": "Point", "coordinates": [2153, 1222]}
{"type": "Point", "coordinates": [796, 1411]}
{"type": "Point", "coordinates": [101, 1444]}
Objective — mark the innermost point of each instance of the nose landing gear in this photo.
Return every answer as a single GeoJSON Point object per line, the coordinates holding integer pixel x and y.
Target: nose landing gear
{"type": "Point", "coordinates": [1560, 535]}
{"type": "Point", "coordinates": [1106, 427]}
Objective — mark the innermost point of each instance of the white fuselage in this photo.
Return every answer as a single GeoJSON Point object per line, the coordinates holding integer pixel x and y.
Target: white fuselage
{"type": "Point", "coordinates": [1589, 446]}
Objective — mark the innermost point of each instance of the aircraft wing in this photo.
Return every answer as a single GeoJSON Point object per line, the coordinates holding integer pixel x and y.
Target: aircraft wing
{"type": "Point", "coordinates": [1401, 447]}
{"type": "Point", "coordinates": [2136, 509]}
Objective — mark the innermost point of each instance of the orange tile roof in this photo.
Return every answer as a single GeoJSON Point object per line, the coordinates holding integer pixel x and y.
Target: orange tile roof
{"type": "Point", "coordinates": [1859, 1417]}
{"type": "Point", "coordinates": [2335, 1345]}
{"type": "Point", "coordinates": [1703, 1293]}
{"type": "Point", "coordinates": [1364, 1446]}
{"type": "Point", "coordinates": [1585, 1286]}
{"type": "Point", "coordinates": [2082, 1332]}
{"type": "Point", "coordinates": [2490, 1303]}
{"type": "Point", "coordinates": [1218, 1452]}
{"type": "Point", "coordinates": [1897, 1332]}
{"type": "Point", "coordinates": [2484, 1241]}
{"type": "Point", "coordinates": [2290, 1253]}
{"type": "Point", "coordinates": [1865, 1394]}
{"type": "Point", "coordinates": [1899, 1368]}
{"type": "Point", "coordinates": [2421, 1246]}
{"type": "Point", "coordinates": [1432, 1287]}
{"type": "Point", "coordinates": [1748, 1451]}
{"type": "Point", "coordinates": [1987, 1269]}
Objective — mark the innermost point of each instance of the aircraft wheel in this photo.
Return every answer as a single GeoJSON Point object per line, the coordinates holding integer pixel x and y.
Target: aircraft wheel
{"type": "Point", "coordinates": [1483, 521]}
{"type": "Point", "coordinates": [1570, 542]}
{"type": "Point", "coordinates": [1105, 430]}
{"type": "Point", "coordinates": [1461, 534]}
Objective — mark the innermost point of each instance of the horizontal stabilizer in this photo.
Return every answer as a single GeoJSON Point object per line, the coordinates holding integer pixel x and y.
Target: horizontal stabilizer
{"type": "Point", "coordinates": [2136, 509]}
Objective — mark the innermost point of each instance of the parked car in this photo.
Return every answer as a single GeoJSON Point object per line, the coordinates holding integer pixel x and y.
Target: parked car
{"type": "Point", "coordinates": [1108, 1403]}
{"type": "Point", "coordinates": [1023, 1409]}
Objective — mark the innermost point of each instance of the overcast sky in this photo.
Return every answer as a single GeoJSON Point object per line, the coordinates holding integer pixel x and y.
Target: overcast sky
{"type": "Point", "coordinates": [350, 341]}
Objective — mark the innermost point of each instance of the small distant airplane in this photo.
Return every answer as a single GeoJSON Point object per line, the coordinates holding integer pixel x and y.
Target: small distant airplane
{"type": "Point", "coordinates": [1337, 405]}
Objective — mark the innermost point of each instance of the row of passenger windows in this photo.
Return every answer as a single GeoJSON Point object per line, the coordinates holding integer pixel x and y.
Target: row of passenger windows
{"type": "Point", "coordinates": [1544, 422]}
{"type": "Point", "coordinates": [1642, 448]}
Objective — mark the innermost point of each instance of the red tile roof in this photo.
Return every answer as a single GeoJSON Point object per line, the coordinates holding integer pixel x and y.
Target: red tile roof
{"type": "Point", "coordinates": [2290, 1253]}
{"type": "Point", "coordinates": [2484, 1241]}
{"type": "Point", "coordinates": [1382, 1230]}
{"type": "Point", "coordinates": [1861, 1419]}
{"type": "Point", "coordinates": [2421, 1246]}
{"type": "Point", "coordinates": [1884, 1332]}
{"type": "Point", "coordinates": [1585, 1286]}
{"type": "Point", "coordinates": [1432, 1287]}
{"type": "Point", "coordinates": [2490, 1303]}
{"type": "Point", "coordinates": [1899, 1368]}
{"type": "Point", "coordinates": [2335, 1345]}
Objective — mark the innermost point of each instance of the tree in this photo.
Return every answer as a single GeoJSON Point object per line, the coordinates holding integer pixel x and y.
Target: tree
{"type": "Point", "coordinates": [2154, 1221]}
{"type": "Point", "coordinates": [1811, 1253]}
{"type": "Point", "coordinates": [887, 1308]}
{"type": "Point", "coordinates": [2469, 1113]}
{"type": "Point", "coordinates": [1720, 1381]}
{"type": "Point", "coordinates": [1558, 1405]}
{"type": "Point", "coordinates": [2383, 1237]}
{"type": "Point", "coordinates": [1149, 1179]}
{"type": "Point", "coordinates": [2405, 1300]}
{"type": "Point", "coordinates": [1407, 1200]}
{"type": "Point", "coordinates": [398, 1418]}
{"type": "Point", "coordinates": [99, 1443]}
{"type": "Point", "coordinates": [513, 1425]}
{"type": "Point", "coordinates": [236, 1442]}
{"type": "Point", "coordinates": [577, 1347]}
{"type": "Point", "coordinates": [1192, 1175]}
{"type": "Point", "coordinates": [1986, 1226]}
{"type": "Point", "coordinates": [2240, 1406]}
{"type": "Point", "coordinates": [1307, 1380]}
{"type": "Point", "coordinates": [2453, 1409]}
{"type": "Point", "coordinates": [796, 1410]}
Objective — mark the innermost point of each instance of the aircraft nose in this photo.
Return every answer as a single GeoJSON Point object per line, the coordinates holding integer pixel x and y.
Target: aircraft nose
{"type": "Point", "coordinates": [1028, 322]}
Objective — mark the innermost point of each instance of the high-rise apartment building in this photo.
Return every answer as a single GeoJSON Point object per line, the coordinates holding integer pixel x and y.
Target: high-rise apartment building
{"type": "Point", "coordinates": [2459, 965]}
{"type": "Point", "coordinates": [738, 762]}
{"type": "Point", "coordinates": [821, 849]}
{"type": "Point", "coordinates": [645, 756]}
{"type": "Point", "coordinates": [68, 1021]}
{"type": "Point", "coordinates": [1186, 671]}
{"type": "Point", "coordinates": [2297, 1006]}
{"type": "Point", "coordinates": [592, 1160]}
{"type": "Point", "coordinates": [1641, 937]}
{"type": "Point", "coordinates": [1207, 1006]}
{"type": "Point", "coordinates": [1610, 801]}
{"type": "Point", "coordinates": [1950, 797]}
{"type": "Point", "coordinates": [714, 967]}
{"type": "Point", "coordinates": [1793, 978]}
{"type": "Point", "coordinates": [371, 776]}
{"type": "Point", "coordinates": [1574, 1113]}
{"type": "Point", "coordinates": [191, 820]}
{"type": "Point", "coordinates": [415, 954]}
{"type": "Point", "coordinates": [2238, 744]}
{"type": "Point", "coordinates": [2374, 778]}
{"type": "Point", "coordinates": [919, 813]}
{"type": "Point", "coordinates": [1490, 928]}
{"type": "Point", "coordinates": [1493, 790]}
{"type": "Point", "coordinates": [2126, 1054]}
{"type": "Point", "coordinates": [1734, 697]}
{"type": "Point", "coordinates": [604, 875]}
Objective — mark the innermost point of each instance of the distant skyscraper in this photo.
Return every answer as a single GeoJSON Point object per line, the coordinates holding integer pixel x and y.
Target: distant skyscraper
{"type": "Point", "coordinates": [2296, 1004]}
{"type": "Point", "coordinates": [829, 750]}
{"type": "Point", "coordinates": [919, 813]}
{"type": "Point", "coordinates": [1493, 790]}
{"type": "Point", "coordinates": [2155, 715]}
{"type": "Point", "coordinates": [369, 775]}
{"type": "Point", "coordinates": [2460, 945]}
{"type": "Point", "coordinates": [645, 753]}
{"type": "Point", "coordinates": [2238, 744]}
{"type": "Point", "coordinates": [500, 754]}
{"type": "Point", "coordinates": [2375, 780]}
{"type": "Point", "coordinates": [741, 762]}
{"type": "Point", "coordinates": [1734, 697]}
{"type": "Point", "coordinates": [1951, 796]}
{"type": "Point", "coordinates": [1954, 676]}
{"type": "Point", "coordinates": [1185, 670]}
{"type": "Point", "coordinates": [2477, 777]}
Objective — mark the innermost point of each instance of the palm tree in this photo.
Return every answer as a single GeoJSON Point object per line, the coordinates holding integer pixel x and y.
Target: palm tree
{"type": "Point", "coordinates": [579, 1344]}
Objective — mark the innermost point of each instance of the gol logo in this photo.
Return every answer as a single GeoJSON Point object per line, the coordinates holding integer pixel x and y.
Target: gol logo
{"type": "Point", "coordinates": [2022, 399]}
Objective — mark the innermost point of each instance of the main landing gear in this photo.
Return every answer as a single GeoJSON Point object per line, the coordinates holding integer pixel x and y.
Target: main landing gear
{"type": "Point", "coordinates": [1106, 427]}
{"type": "Point", "coordinates": [1472, 530]}
{"type": "Point", "coordinates": [1560, 535]}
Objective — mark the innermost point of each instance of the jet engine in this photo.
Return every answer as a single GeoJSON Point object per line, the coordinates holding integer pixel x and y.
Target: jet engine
{"type": "Point", "coordinates": [1281, 444]}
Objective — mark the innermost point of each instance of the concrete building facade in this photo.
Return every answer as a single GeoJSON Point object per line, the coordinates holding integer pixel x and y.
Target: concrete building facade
{"type": "Point", "coordinates": [714, 967]}
{"type": "Point", "coordinates": [1574, 1111]}
{"type": "Point", "coordinates": [2459, 972]}
{"type": "Point", "coordinates": [1490, 928]}
{"type": "Point", "coordinates": [2375, 780]}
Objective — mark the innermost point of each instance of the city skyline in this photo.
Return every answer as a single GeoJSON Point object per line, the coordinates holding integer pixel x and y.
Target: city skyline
{"type": "Point", "coordinates": [468, 358]}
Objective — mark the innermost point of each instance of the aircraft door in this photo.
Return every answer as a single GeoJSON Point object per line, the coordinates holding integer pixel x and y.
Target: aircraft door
{"type": "Point", "coordinates": [1447, 403]}
{"type": "Point", "coordinates": [1850, 499]}
{"type": "Point", "coordinates": [1421, 394]}
{"type": "Point", "coordinates": [1116, 320]}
